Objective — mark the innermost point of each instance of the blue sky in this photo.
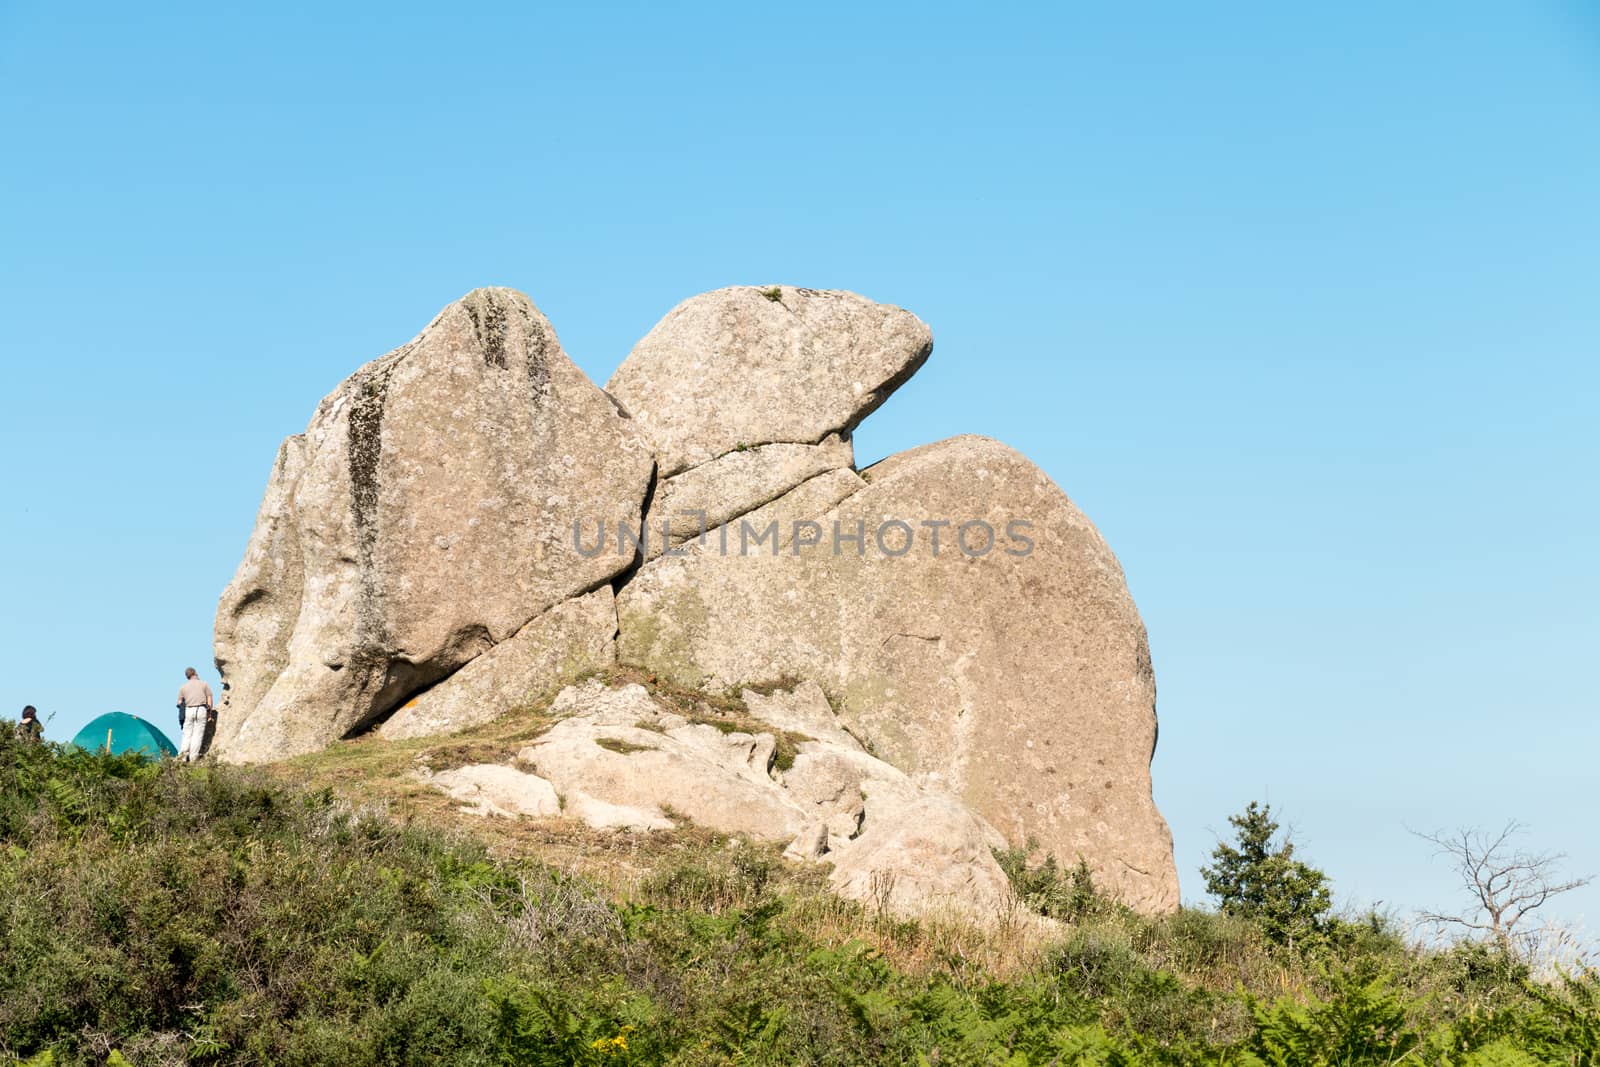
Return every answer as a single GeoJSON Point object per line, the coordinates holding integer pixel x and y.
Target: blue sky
{"type": "Point", "coordinates": [1300, 307]}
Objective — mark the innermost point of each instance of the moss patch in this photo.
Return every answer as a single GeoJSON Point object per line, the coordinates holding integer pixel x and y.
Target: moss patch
{"type": "Point", "coordinates": [661, 637]}
{"type": "Point", "coordinates": [725, 710]}
{"type": "Point", "coordinates": [617, 744]}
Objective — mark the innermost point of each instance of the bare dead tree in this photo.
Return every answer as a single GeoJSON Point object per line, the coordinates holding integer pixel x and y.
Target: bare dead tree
{"type": "Point", "coordinates": [1505, 883]}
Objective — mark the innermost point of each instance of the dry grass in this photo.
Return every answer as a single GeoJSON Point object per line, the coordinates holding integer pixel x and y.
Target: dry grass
{"type": "Point", "coordinates": [370, 771]}
{"type": "Point", "coordinates": [1015, 944]}
{"type": "Point", "coordinates": [724, 704]}
{"type": "Point", "coordinates": [630, 867]}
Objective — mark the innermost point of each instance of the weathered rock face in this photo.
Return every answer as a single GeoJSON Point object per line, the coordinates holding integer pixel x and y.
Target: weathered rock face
{"type": "Point", "coordinates": [433, 513]}
{"type": "Point", "coordinates": [494, 789]}
{"type": "Point", "coordinates": [971, 663]}
{"type": "Point", "coordinates": [259, 609]}
{"type": "Point", "coordinates": [570, 639]}
{"type": "Point", "coordinates": [924, 855]}
{"type": "Point", "coordinates": [1008, 668]}
{"type": "Point", "coordinates": [711, 494]}
{"type": "Point", "coordinates": [747, 366]}
{"type": "Point", "coordinates": [802, 710]}
{"type": "Point", "coordinates": [617, 747]}
{"type": "Point", "coordinates": [618, 760]}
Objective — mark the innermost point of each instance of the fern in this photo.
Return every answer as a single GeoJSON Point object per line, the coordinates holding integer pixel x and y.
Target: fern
{"type": "Point", "coordinates": [1363, 1022]}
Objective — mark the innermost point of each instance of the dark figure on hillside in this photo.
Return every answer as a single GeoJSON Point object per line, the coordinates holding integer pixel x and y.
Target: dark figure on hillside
{"type": "Point", "coordinates": [30, 728]}
{"type": "Point", "coordinates": [195, 700]}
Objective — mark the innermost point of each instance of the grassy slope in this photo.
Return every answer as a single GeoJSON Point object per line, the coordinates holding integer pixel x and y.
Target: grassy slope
{"type": "Point", "coordinates": [335, 910]}
{"type": "Point", "coordinates": [383, 775]}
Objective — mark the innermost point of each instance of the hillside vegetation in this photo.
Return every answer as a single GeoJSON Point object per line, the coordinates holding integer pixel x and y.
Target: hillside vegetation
{"type": "Point", "coordinates": [157, 914]}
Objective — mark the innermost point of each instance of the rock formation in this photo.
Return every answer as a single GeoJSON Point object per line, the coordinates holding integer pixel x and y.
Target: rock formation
{"type": "Point", "coordinates": [972, 667]}
{"type": "Point", "coordinates": [617, 759]}
{"type": "Point", "coordinates": [424, 517]}
{"type": "Point", "coordinates": [743, 366]}
{"type": "Point", "coordinates": [1007, 663]}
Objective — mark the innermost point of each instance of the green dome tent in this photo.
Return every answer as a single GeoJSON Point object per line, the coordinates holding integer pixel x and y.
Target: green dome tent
{"type": "Point", "coordinates": [117, 733]}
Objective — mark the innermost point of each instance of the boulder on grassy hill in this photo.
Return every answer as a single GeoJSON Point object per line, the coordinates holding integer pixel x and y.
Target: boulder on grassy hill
{"type": "Point", "coordinates": [620, 760]}
{"type": "Point", "coordinates": [1008, 668]}
{"type": "Point", "coordinates": [431, 517]}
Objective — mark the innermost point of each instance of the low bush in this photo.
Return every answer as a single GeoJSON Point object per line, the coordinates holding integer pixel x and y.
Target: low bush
{"type": "Point", "coordinates": [157, 914]}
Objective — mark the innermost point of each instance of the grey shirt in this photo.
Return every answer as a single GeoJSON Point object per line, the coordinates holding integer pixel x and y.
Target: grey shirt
{"type": "Point", "coordinates": [195, 694]}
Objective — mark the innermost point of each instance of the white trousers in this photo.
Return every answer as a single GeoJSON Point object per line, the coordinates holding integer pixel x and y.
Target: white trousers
{"type": "Point", "coordinates": [194, 733]}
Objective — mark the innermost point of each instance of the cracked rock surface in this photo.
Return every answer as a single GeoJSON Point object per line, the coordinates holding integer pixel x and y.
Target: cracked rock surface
{"type": "Point", "coordinates": [733, 485]}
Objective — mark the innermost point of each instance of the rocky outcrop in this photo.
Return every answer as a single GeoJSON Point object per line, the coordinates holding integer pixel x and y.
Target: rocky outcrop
{"type": "Point", "coordinates": [803, 710]}
{"type": "Point", "coordinates": [747, 393]}
{"type": "Point", "coordinates": [618, 759]}
{"type": "Point", "coordinates": [744, 366]}
{"type": "Point", "coordinates": [620, 749]}
{"type": "Point", "coordinates": [572, 638]}
{"type": "Point", "coordinates": [970, 668]}
{"type": "Point", "coordinates": [433, 513]}
{"type": "Point", "coordinates": [495, 789]}
{"type": "Point", "coordinates": [1007, 666]}
{"type": "Point", "coordinates": [923, 854]}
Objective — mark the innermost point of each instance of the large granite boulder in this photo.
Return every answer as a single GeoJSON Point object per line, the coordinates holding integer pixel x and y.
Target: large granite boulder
{"type": "Point", "coordinates": [426, 516]}
{"type": "Point", "coordinates": [744, 366]}
{"type": "Point", "coordinates": [1007, 666]}
{"type": "Point", "coordinates": [619, 760]}
{"type": "Point", "coordinates": [748, 392]}
{"type": "Point", "coordinates": [974, 670]}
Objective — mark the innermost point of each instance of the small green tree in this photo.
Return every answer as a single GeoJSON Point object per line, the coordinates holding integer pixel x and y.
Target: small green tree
{"type": "Point", "coordinates": [1261, 881]}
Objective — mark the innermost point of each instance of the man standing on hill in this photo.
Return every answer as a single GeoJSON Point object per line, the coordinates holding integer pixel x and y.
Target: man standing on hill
{"type": "Point", "coordinates": [30, 728]}
{"type": "Point", "coordinates": [195, 698]}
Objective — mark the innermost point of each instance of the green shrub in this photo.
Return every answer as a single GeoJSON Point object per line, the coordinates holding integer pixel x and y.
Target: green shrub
{"type": "Point", "coordinates": [156, 913]}
{"type": "Point", "coordinates": [1043, 888]}
{"type": "Point", "coordinates": [1262, 882]}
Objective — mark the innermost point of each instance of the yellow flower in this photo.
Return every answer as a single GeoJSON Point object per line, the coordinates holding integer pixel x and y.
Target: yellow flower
{"type": "Point", "coordinates": [610, 1045]}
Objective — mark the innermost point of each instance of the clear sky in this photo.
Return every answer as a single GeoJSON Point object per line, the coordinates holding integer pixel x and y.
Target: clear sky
{"type": "Point", "coordinates": [1301, 307]}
